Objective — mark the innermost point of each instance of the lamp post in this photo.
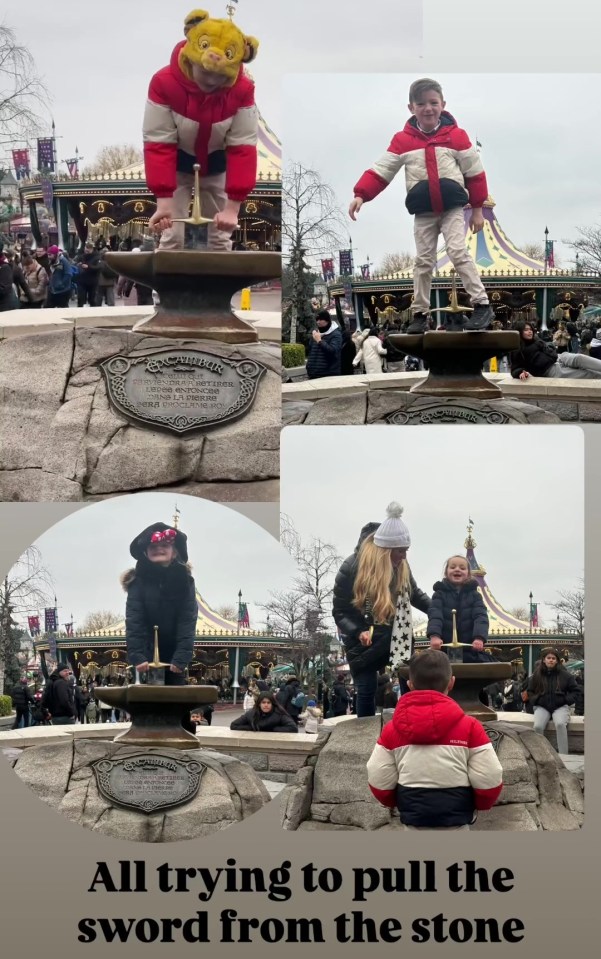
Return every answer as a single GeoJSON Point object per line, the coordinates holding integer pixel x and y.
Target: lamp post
{"type": "Point", "coordinates": [236, 684]}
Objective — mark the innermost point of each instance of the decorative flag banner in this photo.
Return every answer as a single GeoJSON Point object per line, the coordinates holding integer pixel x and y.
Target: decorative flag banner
{"type": "Point", "coordinates": [327, 269]}
{"type": "Point", "coordinates": [21, 163]}
{"type": "Point", "coordinates": [243, 618]}
{"type": "Point", "coordinates": [73, 167]}
{"type": "Point", "coordinates": [46, 155]}
{"type": "Point", "coordinates": [34, 625]}
{"type": "Point", "coordinates": [534, 614]}
{"type": "Point", "coordinates": [365, 271]}
{"type": "Point", "coordinates": [52, 645]}
{"type": "Point", "coordinates": [50, 620]}
{"type": "Point", "coordinates": [346, 262]}
{"type": "Point", "coordinates": [549, 255]}
{"type": "Point", "coordinates": [69, 629]}
{"type": "Point", "coordinates": [47, 193]}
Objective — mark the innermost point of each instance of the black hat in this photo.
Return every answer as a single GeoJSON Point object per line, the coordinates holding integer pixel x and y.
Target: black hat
{"type": "Point", "coordinates": [141, 543]}
{"type": "Point", "coordinates": [61, 666]}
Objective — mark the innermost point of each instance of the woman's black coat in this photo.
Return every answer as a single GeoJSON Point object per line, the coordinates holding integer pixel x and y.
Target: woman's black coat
{"type": "Point", "coordinates": [561, 689]}
{"type": "Point", "coordinates": [351, 621]}
{"type": "Point", "coordinates": [273, 722]}
{"type": "Point", "coordinates": [163, 596]}
{"type": "Point", "coordinates": [472, 618]}
{"type": "Point", "coordinates": [534, 357]}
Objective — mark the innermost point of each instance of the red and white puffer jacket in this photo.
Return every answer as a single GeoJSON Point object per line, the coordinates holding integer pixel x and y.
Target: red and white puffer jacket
{"type": "Point", "coordinates": [184, 126]}
{"type": "Point", "coordinates": [442, 170]}
{"type": "Point", "coordinates": [435, 763]}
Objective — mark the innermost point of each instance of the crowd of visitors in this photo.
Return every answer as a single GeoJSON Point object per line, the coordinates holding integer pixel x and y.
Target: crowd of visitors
{"type": "Point", "coordinates": [47, 277]}
{"type": "Point", "coordinates": [565, 349]}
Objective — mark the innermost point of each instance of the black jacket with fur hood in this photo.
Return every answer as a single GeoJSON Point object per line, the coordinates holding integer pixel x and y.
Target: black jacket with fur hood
{"type": "Point", "coordinates": [472, 618]}
{"type": "Point", "coordinates": [163, 596]}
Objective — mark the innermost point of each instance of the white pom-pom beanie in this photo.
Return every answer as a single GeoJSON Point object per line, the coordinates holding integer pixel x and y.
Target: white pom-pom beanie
{"type": "Point", "coordinates": [392, 533]}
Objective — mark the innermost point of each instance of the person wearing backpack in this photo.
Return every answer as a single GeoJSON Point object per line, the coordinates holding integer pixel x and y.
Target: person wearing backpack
{"type": "Point", "coordinates": [37, 282]}
{"type": "Point", "coordinates": [60, 278]}
{"type": "Point", "coordinates": [291, 697]}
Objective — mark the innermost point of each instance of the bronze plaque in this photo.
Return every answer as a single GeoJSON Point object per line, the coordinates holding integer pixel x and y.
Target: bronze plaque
{"type": "Point", "coordinates": [446, 413]}
{"type": "Point", "coordinates": [148, 782]}
{"type": "Point", "coordinates": [181, 390]}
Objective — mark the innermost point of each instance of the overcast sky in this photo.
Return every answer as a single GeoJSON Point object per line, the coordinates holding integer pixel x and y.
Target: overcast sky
{"type": "Point", "coordinates": [86, 553]}
{"type": "Point", "coordinates": [97, 59]}
{"type": "Point", "coordinates": [523, 488]}
{"type": "Point", "coordinates": [539, 136]}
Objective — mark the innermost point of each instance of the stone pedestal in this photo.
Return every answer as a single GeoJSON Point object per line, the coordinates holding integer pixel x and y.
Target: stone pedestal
{"type": "Point", "coordinates": [63, 441]}
{"type": "Point", "coordinates": [455, 360]}
{"type": "Point", "coordinates": [332, 792]}
{"type": "Point", "coordinates": [156, 712]}
{"type": "Point", "coordinates": [195, 290]}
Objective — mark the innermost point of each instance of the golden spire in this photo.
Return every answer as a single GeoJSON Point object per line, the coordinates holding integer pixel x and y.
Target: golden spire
{"type": "Point", "coordinates": [176, 518]}
{"type": "Point", "coordinates": [230, 8]}
{"type": "Point", "coordinates": [470, 542]}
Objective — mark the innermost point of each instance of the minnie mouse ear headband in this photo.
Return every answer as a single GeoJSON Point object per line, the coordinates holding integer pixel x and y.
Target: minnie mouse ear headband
{"type": "Point", "coordinates": [392, 533]}
{"type": "Point", "coordinates": [160, 533]}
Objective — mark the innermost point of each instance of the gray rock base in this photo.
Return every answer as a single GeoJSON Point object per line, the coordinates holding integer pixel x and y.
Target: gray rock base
{"type": "Point", "coordinates": [400, 408]}
{"type": "Point", "coordinates": [539, 793]}
{"type": "Point", "coordinates": [62, 776]}
{"type": "Point", "coordinates": [62, 441]}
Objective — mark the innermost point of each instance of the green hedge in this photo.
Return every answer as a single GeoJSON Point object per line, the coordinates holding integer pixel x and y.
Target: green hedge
{"type": "Point", "coordinates": [6, 705]}
{"type": "Point", "coordinates": [293, 354]}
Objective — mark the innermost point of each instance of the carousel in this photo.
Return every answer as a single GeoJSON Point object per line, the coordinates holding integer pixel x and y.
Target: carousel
{"type": "Point", "coordinates": [518, 286]}
{"type": "Point", "coordinates": [222, 650]}
{"type": "Point", "coordinates": [511, 639]}
{"type": "Point", "coordinates": [118, 205]}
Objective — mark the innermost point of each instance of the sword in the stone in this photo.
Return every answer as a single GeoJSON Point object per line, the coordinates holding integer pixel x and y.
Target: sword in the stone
{"type": "Point", "coordinates": [455, 648]}
{"type": "Point", "coordinates": [196, 220]}
{"type": "Point", "coordinates": [156, 669]}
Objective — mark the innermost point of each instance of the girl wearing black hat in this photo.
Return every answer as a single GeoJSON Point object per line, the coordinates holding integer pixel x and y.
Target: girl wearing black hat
{"type": "Point", "coordinates": [551, 691]}
{"type": "Point", "coordinates": [266, 716]}
{"type": "Point", "coordinates": [160, 592]}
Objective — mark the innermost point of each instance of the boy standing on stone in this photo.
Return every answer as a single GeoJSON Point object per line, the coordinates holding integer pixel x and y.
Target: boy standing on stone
{"type": "Point", "coordinates": [432, 761]}
{"type": "Point", "coordinates": [443, 172]}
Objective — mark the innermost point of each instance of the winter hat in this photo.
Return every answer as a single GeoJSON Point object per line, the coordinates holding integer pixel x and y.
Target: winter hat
{"type": "Point", "coordinates": [140, 544]}
{"type": "Point", "coordinates": [52, 250]}
{"type": "Point", "coordinates": [311, 703]}
{"type": "Point", "coordinates": [392, 533]}
{"type": "Point", "coordinates": [61, 666]}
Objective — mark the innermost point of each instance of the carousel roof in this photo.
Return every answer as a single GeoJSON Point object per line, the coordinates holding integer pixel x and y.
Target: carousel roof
{"type": "Point", "coordinates": [491, 249]}
{"type": "Point", "coordinates": [208, 622]}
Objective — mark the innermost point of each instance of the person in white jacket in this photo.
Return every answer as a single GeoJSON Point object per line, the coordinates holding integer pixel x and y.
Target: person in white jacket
{"type": "Point", "coordinates": [371, 352]}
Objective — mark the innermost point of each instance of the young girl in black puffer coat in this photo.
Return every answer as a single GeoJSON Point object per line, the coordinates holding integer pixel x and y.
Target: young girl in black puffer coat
{"type": "Point", "coordinates": [457, 591]}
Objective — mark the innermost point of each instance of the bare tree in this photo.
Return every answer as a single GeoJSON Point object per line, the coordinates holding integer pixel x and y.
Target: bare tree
{"type": "Point", "coordinates": [534, 250]}
{"type": "Point", "coordinates": [570, 609]}
{"type": "Point", "coordinates": [288, 615]}
{"type": "Point", "coordinates": [23, 95]}
{"type": "Point", "coordinates": [116, 157]}
{"type": "Point", "coordinates": [312, 226]}
{"type": "Point", "coordinates": [26, 588]}
{"type": "Point", "coordinates": [520, 612]}
{"type": "Point", "coordinates": [397, 262]}
{"type": "Point", "coordinates": [588, 248]}
{"type": "Point", "coordinates": [318, 563]}
{"type": "Point", "coordinates": [100, 619]}
{"type": "Point", "coordinates": [228, 612]}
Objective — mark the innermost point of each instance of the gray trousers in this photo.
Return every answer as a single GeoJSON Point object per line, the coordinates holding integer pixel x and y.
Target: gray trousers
{"type": "Point", "coordinates": [561, 718]}
{"type": "Point", "coordinates": [576, 366]}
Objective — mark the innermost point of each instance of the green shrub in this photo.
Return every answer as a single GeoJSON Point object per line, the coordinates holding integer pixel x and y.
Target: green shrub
{"type": "Point", "coordinates": [293, 354]}
{"type": "Point", "coordinates": [6, 705]}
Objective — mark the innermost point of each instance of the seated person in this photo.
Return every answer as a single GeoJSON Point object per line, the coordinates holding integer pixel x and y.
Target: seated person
{"type": "Point", "coordinates": [266, 716]}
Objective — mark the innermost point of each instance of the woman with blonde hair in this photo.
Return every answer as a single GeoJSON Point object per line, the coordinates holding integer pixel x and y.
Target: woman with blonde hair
{"type": "Point", "coordinates": [373, 595]}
